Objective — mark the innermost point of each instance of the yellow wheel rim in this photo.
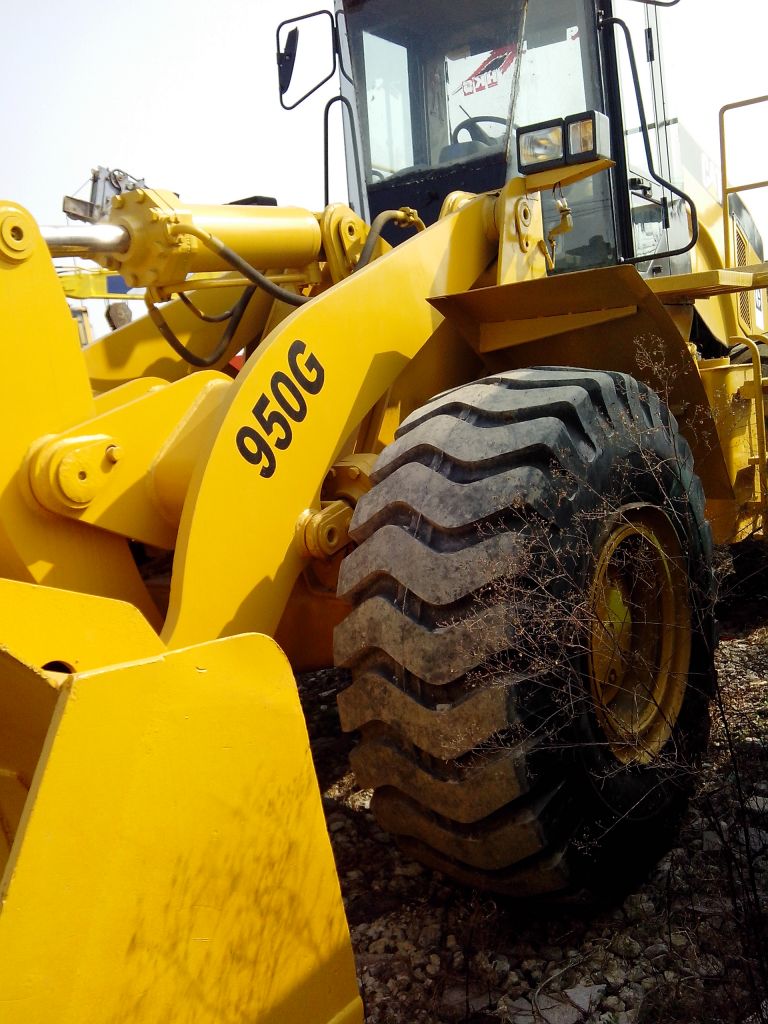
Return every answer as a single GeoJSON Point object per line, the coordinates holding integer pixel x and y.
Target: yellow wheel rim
{"type": "Point", "coordinates": [639, 634]}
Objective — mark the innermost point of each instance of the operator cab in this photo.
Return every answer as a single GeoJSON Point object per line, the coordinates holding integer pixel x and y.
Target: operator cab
{"type": "Point", "coordinates": [440, 89]}
{"type": "Point", "coordinates": [437, 93]}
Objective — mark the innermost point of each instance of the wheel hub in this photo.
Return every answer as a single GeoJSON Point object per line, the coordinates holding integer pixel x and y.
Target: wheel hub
{"type": "Point", "coordinates": [639, 634]}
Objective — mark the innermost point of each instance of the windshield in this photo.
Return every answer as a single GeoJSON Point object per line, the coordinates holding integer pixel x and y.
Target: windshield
{"type": "Point", "coordinates": [435, 80]}
{"type": "Point", "coordinates": [438, 85]}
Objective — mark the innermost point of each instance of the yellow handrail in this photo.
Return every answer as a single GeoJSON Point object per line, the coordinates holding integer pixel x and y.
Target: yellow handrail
{"type": "Point", "coordinates": [730, 189]}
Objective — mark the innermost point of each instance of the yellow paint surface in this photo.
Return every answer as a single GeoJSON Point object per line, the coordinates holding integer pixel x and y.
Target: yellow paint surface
{"type": "Point", "coordinates": [172, 864]}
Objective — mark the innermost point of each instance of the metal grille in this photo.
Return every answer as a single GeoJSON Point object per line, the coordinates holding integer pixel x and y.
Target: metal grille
{"type": "Point", "coordinates": [745, 311]}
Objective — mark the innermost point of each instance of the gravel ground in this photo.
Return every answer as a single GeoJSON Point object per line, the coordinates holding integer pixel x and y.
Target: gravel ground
{"type": "Point", "coordinates": [688, 946]}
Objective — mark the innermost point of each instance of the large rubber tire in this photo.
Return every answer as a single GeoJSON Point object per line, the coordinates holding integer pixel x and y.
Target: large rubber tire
{"type": "Point", "coordinates": [528, 535]}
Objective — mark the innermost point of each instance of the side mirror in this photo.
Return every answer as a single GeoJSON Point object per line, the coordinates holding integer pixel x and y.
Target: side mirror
{"type": "Point", "coordinates": [298, 80]}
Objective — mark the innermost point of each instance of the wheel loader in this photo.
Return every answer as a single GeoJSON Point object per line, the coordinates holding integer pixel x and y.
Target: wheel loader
{"type": "Point", "coordinates": [469, 438]}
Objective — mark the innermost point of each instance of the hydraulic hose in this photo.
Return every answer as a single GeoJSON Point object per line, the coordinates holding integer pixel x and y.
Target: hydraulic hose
{"type": "Point", "coordinates": [201, 362]}
{"type": "Point", "coordinates": [217, 318]}
{"type": "Point", "coordinates": [250, 273]}
{"type": "Point", "coordinates": [402, 218]}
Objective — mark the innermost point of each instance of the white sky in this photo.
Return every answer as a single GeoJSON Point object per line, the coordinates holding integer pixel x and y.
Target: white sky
{"type": "Point", "coordinates": [184, 94]}
{"type": "Point", "coordinates": [180, 92]}
{"type": "Point", "coordinates": [716, 54]}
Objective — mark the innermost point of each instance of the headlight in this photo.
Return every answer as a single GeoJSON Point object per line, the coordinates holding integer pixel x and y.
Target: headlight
{"type": "Point", "coordinates": [573, 140]}
{"type": "Point", "coordinates": [540, 146]}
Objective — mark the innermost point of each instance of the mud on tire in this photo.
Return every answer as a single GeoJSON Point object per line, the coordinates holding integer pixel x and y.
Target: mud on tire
{"type": "Point", "coordinates": [531, 644]}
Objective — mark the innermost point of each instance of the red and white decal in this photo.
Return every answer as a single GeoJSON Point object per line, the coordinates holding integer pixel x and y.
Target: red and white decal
{"type": "Point", "coordinates": [489, 73]}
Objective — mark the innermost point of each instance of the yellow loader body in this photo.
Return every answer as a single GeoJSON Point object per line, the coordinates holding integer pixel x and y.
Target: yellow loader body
{"type": "Point", "coordinates": [165, 844]}
{"type": "Point", "coordinates": [166, 855]}
{"type": "Point", "coordinates": [163, 847]}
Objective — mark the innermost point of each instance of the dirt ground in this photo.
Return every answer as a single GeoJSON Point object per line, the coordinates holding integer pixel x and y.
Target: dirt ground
{"type": "Point", "coordinates": [689, 945]}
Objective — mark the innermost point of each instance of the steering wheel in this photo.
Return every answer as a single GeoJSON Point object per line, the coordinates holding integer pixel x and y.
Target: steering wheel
{"type": "Point", "coordinates": [476, 133]}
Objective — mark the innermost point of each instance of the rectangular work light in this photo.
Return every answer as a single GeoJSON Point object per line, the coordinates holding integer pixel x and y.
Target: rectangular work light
{"type": "Point", "coordinates": [571, 140]}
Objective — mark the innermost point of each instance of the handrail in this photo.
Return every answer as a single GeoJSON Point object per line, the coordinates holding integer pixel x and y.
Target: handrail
{"type": "Point", "coordinates": [728, 190]}
{"type": "Point", "coordinates": [694, 217]}
{"type": "Point", "coordinates": [757, 394]}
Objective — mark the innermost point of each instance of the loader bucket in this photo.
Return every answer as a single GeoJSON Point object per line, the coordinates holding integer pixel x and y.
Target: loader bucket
{"type": "Point", "coordinates": [165, 852]}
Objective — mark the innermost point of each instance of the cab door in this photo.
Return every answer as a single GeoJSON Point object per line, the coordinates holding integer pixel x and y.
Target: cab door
{"type": "Point", "coordinates": [658, 218]}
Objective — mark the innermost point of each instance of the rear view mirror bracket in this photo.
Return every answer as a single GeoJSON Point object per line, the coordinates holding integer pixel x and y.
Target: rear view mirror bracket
{"type": "Point", "coordinates": [286, 56]}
